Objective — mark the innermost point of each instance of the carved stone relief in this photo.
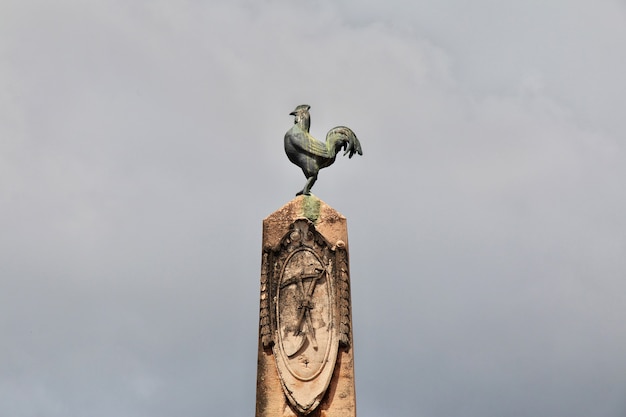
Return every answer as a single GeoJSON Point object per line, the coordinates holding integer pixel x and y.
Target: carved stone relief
{"type": "Point", "coordinates": [305, 311]}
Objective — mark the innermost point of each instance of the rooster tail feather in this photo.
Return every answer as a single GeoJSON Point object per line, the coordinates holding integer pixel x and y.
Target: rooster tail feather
{"type": "Point", "coordinates": [342, 137]}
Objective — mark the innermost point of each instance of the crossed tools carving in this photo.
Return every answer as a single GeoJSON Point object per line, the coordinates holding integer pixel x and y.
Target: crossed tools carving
{"type": "Point", "coordinates": [305, 304]}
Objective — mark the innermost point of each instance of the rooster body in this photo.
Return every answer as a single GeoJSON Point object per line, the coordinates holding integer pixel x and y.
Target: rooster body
{"type": "Point", "coordinates": [312, 155]}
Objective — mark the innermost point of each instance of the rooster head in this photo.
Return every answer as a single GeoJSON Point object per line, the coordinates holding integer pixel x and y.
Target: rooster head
{"type": "Point", "coordinates": [303, 118]}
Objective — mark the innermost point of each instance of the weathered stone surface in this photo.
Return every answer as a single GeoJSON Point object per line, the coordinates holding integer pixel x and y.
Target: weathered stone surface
{"type": "Point", "coordinates": [305, 359]}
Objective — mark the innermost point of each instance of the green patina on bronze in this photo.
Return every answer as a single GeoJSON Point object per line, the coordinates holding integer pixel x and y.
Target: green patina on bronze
{"type": "Point", "coordinates": [311, 207]}
{"type": "Point", "coordinates": [312, 155]}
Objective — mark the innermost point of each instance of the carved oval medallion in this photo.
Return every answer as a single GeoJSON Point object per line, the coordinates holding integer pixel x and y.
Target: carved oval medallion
{"type": "Point", "coordinates": [306, 342]}
{"type": "Point", "coordinates": [304, 314]}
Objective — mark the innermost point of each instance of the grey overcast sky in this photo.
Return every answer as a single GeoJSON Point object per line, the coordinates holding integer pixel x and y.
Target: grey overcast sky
{"type": "Point", "coordinates": [141, 145]}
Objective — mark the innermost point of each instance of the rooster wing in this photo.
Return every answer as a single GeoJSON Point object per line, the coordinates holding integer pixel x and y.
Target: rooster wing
{"type": "Point", "coordinates": [307, 152]}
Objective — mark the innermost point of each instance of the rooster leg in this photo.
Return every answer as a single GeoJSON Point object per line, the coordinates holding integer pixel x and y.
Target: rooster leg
{"type": "Point", "coordinates": [307, 187]}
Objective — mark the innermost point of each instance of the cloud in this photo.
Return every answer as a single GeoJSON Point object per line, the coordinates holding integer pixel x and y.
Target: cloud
{"type": "Point", "coordinates": [141, 147]}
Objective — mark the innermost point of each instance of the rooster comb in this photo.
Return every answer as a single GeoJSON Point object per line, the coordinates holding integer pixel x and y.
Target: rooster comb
{"type": "Point", "coordinates": [301, 107]}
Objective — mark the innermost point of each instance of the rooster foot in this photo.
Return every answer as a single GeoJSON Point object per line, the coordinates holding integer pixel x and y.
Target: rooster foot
{"type": "Point", "coordinates": [307, 187]}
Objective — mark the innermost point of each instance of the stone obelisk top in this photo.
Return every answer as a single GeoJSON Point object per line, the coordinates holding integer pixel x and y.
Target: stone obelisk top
{"type": "Point", "coordinates": [328, 221]}
{"type": "Point", "coordinates": [305, 357]}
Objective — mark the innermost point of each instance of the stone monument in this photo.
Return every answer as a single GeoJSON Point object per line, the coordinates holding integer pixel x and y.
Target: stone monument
{"type": "Point", "coordinates": [305, 356]}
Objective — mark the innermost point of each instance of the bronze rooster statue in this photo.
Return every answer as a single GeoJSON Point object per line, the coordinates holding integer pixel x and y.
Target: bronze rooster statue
{"type": "Point", "coordinates": [312, 155]}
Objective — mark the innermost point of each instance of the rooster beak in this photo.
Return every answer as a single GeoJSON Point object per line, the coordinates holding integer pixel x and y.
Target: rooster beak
{"type": "Point", "coordinates": [293, 113]}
